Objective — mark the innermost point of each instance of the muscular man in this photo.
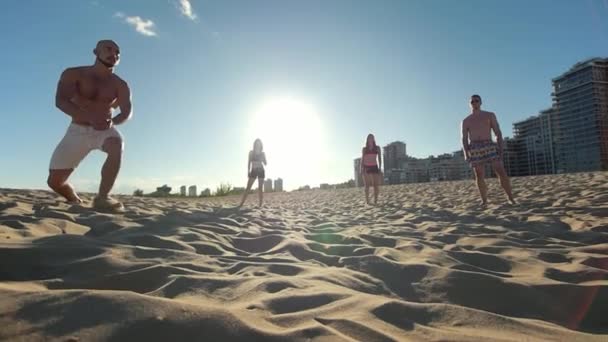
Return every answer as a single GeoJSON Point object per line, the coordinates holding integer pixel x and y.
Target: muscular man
{"type": "Point", "coordinates": [479, 149]}
{"type": "Point", "coordinates": [88, 94]}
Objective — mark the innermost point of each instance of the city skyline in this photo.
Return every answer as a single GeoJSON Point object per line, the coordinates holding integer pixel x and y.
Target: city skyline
{"type": "Point", "coordinates": [310, 79]}
{"type": "Point", "coordinates": [569, 136]}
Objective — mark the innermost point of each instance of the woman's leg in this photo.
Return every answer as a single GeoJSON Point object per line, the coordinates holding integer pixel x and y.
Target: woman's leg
{"type": "Point", "coordinates": [249, 184]}
{"type": "Point", "coordinates": [367, 181]}
{"type": "Point", "coordinates": [260, 191]}
{"type": "Point", "coordinates": [376, 177]}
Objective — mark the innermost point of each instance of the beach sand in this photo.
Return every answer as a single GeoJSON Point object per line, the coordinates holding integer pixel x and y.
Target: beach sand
{"type": "Point", "coordinates": [427, 263]}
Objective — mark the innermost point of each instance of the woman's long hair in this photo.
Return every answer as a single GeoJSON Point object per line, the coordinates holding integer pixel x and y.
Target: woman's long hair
{"type": "Point", "coordinates": [258, 147]}
{"type": "Point", "coordinates": [374, 147]}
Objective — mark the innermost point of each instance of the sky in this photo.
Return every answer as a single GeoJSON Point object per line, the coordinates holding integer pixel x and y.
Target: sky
{"type": "Point", "coordinates": [310, 78]}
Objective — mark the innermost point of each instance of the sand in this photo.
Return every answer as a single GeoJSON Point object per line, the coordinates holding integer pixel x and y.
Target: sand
{"type": "Point", "coordinates": [427, 263]}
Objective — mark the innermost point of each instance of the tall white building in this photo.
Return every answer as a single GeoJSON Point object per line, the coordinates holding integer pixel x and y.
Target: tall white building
{"type": "Point", "coordinates": [192, 191]}
{"type": "Point", "coordinates": [268, 185]}
{"type": "Point", "coordinates": [278, 185]}
{"type": "Point", "coordinates": [394, 153]}
{"type": "Point", "coordinates": [182, 190]}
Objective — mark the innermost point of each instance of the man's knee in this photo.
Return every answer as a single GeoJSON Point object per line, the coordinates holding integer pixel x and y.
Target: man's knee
{"type": "Point", "coordinates": [499, 169]}
{"type": "Point", "coordinates": [479, 172]}
{"type": "Point", "coordinates": [113, 146]}
{"type": "Point", "coordinates": [55, 181]}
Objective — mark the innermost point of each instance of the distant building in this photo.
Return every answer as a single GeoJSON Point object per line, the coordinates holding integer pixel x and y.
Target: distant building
{"type": "Point", "coordinates": [462, 167]}
{"type": "Point", "coordinates": [394, 153]}
{"type": "Point", "coordinates": [324, 186]}
{"type": "Point", "coordinates": [448, 167]}
{"type": "Point", "coordinates": [580, 99]}
{"type": "Point", "coordinates": [357, 170]}
{"type": "Point", "coordinates": [182, 190]}
{"type": "Point", "coordinates": [278, 185]}
{"type": "Point", "coordinates": [531, 150]}
{"type": "Point", "coordinates": [414, 170]}
{"type": "Point", "coordinates": [268, 185]}
{"type": "Point", "coordinates": [206, 192]}
{"type": "Point", "coordinates": [192, 191]}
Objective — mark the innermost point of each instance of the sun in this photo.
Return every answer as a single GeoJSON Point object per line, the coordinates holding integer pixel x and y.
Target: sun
{"type": "Point", "coordinates": [292, 133]}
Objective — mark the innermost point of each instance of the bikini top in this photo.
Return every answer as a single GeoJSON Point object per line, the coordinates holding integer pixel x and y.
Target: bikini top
{"type": "Point", "coordinates": [369, 157]}
{"type": "Point", "coordinates": [257, 159]}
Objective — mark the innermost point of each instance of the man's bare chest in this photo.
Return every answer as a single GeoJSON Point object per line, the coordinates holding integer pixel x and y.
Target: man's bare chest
{"type": "Point", "coordinates": [96, 89]}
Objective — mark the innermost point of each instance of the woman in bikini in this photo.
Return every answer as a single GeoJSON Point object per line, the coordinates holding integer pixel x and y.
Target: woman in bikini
{"type": "Point", "coordinates": [255, 169]}
{"type": "Point", "coordinates": [371, 159]}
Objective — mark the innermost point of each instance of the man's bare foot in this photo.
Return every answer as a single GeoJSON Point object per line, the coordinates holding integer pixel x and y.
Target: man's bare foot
{"type": "Point", "coordinates": [512, 201]}
{"type": "Point", "coordinates": [107, 204]}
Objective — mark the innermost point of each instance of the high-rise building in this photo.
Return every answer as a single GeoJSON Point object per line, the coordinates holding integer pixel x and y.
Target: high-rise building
{"type": "Point", "coordinates": [192, 191]}
{"type": "Point", "coordinates": [461, 168]}
{"type": "Point", "coordinates": [357, 170]}
{"type": "Point", "coordinates": [412, 170]}
{"type": "Point", "coordinates": [268, 185]}
{"type": "Point", "coordinates": [580, 99]}
{"type": "Point", "coordinates": [182, 190]}
{"type": "Point", "coordinates": [278, 185]}
{"type": "Point", "coordinates": [394, 153]}
{"type": "Point", "coordinates": [532, 146]}
{"type": "Point", "coordinates": [448, 167]}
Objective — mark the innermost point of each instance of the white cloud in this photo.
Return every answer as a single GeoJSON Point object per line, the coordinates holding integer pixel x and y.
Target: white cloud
{"type": "Point", "coordinates": [185, 7]}
{"type": "Point", "coordinates": [143, 26]}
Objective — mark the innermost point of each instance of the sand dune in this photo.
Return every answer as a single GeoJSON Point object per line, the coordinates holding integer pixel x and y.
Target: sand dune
{"type": "Point", "coordinates": [426, 264]}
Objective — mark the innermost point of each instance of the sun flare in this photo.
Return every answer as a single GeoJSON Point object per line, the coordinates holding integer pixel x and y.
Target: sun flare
{"type": "Point", "coordinates": [292, 133]}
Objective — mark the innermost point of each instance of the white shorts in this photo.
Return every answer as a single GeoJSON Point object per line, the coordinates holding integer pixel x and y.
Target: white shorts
{"type": "Point", "coordinates": [78, 141]}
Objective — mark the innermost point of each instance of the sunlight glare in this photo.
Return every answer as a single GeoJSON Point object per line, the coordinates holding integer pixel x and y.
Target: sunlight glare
{"type": "Point", "coordinates": [292, 134]}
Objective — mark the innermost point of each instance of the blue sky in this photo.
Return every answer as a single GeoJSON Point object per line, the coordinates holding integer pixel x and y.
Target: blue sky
{"type": "Point", "coordinates": [401, 69]}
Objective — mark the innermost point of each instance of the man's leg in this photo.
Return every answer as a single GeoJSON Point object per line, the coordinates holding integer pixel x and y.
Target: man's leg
{"type": "Point", "coordinates": [58, 181]}
{"type": "Point", "coordinates": [481, 183]}
{"type": "Point", "coordinates": [499, 169]}
{"type": "Point", "coordinates": [113, 147]}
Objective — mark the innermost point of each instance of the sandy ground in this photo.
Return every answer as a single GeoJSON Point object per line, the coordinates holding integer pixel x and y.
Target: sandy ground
{"type": "Point", "coordinates": [427, 263]}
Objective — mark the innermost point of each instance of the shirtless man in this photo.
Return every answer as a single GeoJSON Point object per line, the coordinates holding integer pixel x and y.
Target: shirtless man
{"type": "Point", "coordinates": [88, 94]}
{"type": "Point", "coordinates": [479, 149]}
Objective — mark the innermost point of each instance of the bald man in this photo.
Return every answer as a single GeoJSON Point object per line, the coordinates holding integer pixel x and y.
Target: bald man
{"type": "Point", "coordinates": [88, 94]}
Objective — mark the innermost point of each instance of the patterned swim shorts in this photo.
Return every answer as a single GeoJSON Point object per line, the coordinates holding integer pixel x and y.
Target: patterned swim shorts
{"type": "Point", "coordinates": [483, 152]}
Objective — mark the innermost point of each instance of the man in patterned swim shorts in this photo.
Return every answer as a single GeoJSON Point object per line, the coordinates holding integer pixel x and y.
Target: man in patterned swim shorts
{"type": "Point", "coordinates": [479, 149]}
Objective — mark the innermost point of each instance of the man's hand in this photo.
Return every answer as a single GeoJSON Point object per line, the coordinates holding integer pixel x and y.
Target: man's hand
{"type": "Point", "coordinates": [466, 155]}
{"type": "Point", "coordinates": [102, 125]}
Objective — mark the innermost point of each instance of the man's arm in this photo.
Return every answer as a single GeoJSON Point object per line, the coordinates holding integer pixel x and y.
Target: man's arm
{"type": "Point", "coordinates": [380, 158]}
{"type": "Point", "coordinates": [497, 132]}
{"type": "Point", "coordinates": [124, 102]}
{"type": "Point", "coordinates": [264, 158]}
{"type": "Point", "coordinates": [465, 139]}
{"type": "Point", "coordinates": [66, 90]}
